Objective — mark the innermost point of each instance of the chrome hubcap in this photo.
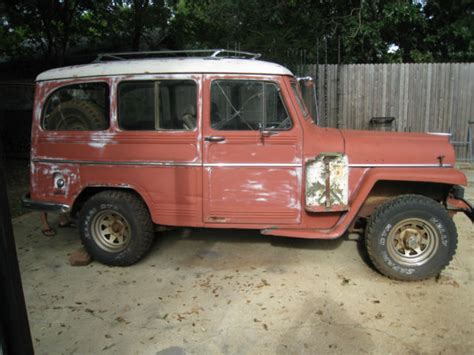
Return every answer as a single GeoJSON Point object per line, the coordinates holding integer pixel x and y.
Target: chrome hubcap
{"type": "Point", "coordinates": [111, 231]}
{"type": "Point", "coordinates": [413, 242]}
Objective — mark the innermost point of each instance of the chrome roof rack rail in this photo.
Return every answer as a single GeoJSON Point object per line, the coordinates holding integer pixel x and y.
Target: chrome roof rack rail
{"type": "Point", "coordinates": [199, 53]}
{"type": "Point", "coordinates": [236, 54]}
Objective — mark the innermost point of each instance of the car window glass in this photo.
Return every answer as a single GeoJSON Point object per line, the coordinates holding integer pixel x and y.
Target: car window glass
{"type": "Point", "coordinates": [79, 107]}
{"type": "Point", "coordinates": [247, 105]}
{"type": "Point", "coordinates": [157, 105]}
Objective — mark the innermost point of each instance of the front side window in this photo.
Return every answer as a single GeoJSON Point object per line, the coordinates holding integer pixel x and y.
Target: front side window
{"type": "Point", "coordinates": [78, 107]}
{"type": "Point", "coordinates": [247, 105]}
{"type": "Point", "coordinates": [157, 105]}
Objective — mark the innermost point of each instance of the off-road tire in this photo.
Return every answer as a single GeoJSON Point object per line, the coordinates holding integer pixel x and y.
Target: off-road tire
{"type": "Point", "coordinates": [383, 228]}
{"type": "Point", "coordinates": [135, 215]}
{"type": "Point", "coordinates": [77, 115]}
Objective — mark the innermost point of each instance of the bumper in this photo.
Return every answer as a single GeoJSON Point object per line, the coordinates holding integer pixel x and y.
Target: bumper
{"type": "Point", "coordinates": [461, 205]}
{"type": "Point", "coordinates": [470, 211]}
{"type": "Point", "coordinates": [27, 202]}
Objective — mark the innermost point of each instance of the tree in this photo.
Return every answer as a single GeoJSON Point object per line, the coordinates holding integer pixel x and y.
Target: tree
{"type": "Point", "coordinates": [450, 30]}
{"type": "Point", "coordinates": [132, 24]}
{"type": "Point", "coordinates": [48, 25]}
{"type": "Point", "coordinates": [349, 31]}
{"type": "Point", "coordinates": [287, 31]}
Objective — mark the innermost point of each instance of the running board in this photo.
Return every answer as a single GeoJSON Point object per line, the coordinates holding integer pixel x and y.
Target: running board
{"type": "Point", "coordinates": [304, 233]}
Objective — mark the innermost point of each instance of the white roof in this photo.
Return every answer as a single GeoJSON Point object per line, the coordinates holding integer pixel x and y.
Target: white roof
{"type": "Point", "coordinates": [166, 66]}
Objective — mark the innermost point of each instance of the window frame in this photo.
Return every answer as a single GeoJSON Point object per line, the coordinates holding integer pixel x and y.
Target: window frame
{"type": "Point", "coordinates": [296, 89]}
{"type": "Point", "coordinates": [69, 84]}
{"type": "Point", "coordinates": [154, 80]}
{"type": "Point", "coordinates": [251, 79]}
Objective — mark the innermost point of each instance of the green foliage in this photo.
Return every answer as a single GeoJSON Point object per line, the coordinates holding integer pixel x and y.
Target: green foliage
{"type": "Point", "coordinates": [288, 31]}
{"type": "Point", "coordinates": [349, 31]}
{"type": "Point", "coordinates": [49, 26]}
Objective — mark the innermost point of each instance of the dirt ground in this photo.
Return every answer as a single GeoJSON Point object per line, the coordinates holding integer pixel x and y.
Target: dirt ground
{"type": "Point", "coordinates": [237, 292]}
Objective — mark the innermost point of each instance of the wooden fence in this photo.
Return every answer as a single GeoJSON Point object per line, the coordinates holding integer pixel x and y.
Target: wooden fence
{"type": "Point", "coordinates": [422, 97]}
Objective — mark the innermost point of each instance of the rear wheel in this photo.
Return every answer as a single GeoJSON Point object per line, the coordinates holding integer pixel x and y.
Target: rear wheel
{"type": "Point", "coordinates": [116, 228]}
{"type": "Point", "coordinates": [411, 238]}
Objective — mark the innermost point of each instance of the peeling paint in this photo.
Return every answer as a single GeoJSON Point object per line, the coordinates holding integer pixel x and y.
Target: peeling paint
{"type": "Point", "coordinates": [100, 139]}
{"type": "Point", "coordinates": [327, 181]}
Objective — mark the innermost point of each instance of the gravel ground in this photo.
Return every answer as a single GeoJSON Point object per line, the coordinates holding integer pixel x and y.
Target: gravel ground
{"type": "Point", "coordinates": [225, 292]}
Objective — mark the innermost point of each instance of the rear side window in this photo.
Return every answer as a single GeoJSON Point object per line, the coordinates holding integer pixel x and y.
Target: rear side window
{"type": "Point", "coordinates": [247, 105]}
{"type": "Point", "coordinates": [157, 105]}
{"type": "Point", "coordinates": [79, 107]}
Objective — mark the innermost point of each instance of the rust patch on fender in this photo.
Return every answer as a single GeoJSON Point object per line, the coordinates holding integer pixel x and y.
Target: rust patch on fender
{"type": "Point", "coordinates": [327, 183]}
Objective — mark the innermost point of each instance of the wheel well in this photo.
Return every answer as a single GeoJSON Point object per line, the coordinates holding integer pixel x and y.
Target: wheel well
{"type": "Point", "coordinates": [387, 189]}
{"type": "Point", "coordinates": [90, 191]}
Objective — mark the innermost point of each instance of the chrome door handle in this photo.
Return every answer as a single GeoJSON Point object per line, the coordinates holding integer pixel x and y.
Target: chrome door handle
{"type": "Point", "coordinates": [214, 139]}
{"type": "Point", "coordinates": [268, 133]}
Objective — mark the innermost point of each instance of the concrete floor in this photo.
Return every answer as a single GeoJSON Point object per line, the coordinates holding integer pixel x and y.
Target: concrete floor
{"type": "Point", "coordinates": [237, 292]}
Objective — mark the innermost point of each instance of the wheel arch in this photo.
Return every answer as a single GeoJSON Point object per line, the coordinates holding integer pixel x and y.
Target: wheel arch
{"type": "Point", "coordinates": [384, 190]}
{"type": "Point", "coordinates": [89, 191]}
{"type": "Point", "coordinates": [379, 184]}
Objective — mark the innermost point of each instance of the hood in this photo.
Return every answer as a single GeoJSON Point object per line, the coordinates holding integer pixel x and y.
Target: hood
{"type": "Point", "coordinates": [375, 147]}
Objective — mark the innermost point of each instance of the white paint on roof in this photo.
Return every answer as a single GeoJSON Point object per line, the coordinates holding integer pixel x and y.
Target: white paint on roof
{"type": "Point", "coordinates": [166, 66]}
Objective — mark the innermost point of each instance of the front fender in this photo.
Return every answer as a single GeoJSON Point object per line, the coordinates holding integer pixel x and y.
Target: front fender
{"type": "Point", "coordinates": [371, 176]}
{"type": "Point", "coordinates": [359, 194]}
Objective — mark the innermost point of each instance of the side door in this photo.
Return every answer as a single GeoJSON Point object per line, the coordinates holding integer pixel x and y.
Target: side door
{"type": "Point", "coordinates": [252, 152]}
{"type": "Point", "coordinates": [159, 151]}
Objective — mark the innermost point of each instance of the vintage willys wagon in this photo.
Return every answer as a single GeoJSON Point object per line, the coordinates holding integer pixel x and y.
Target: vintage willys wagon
{"type": "Point", "coordinates": [227, 142]}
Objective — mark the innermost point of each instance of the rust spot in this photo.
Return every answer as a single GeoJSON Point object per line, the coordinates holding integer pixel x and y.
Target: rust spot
{"type": "Point", "coordinates": [327, 182]}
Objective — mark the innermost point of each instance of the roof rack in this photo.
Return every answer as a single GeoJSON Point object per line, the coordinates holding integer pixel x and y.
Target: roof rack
{"type": "Point", "coordinates": [204, 53]}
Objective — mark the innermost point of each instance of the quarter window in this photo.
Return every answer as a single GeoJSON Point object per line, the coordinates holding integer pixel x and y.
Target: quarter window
{"type": "Point", "coordinates": [157, 105]}
{"type": "Point", "coordinates": [247, 105]}
{"type": "Point", "coordinates": [79, 107]}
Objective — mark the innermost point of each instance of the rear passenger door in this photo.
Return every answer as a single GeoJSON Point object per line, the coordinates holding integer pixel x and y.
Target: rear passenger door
{"type": "Point", "coordinates": [251, 153]}
{"type": "Point", "coordinates": [159, 150]}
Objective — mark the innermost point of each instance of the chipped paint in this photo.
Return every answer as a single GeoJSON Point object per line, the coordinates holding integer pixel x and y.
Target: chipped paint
{"type": "Point", "coordinates": [100, 139]}
{"type": "Point", "coordinates": [327, 182]}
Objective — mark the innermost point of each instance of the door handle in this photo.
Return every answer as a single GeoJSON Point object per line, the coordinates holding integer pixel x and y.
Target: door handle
{"type": "Point", "coordinates": [214, 139]}
{"type": "Point", "coordinates": [268, 133]}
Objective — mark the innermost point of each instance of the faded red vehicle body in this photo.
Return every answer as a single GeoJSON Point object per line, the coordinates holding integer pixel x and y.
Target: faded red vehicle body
{"type": "Point", "coordinates": [235, 179]}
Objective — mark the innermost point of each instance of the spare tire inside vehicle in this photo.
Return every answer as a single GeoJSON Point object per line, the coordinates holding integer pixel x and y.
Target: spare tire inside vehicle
{"type": "Point", "coordinates": [77, 115]}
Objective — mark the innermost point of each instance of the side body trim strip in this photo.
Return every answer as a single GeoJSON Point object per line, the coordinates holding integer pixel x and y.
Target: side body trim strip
{"type": "Point", "coordinates": [178, 163]}
{"type": "Point", "coordinates": [289, 165]}
{"type": "Point", "coordinates": [400, 165]}
{"type": "Point", "coordinates": [90, 162]}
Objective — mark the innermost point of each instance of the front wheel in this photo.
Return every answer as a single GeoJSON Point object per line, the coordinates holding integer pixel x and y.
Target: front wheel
{"type": "Point", "coordinates": [116, 228]}
{"type": "Point", "coordinates": [411, 238]}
